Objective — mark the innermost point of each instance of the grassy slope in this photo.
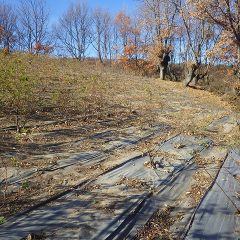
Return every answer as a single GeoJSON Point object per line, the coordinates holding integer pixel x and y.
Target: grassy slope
{"type": "Point", "coordinates": [76, 96]}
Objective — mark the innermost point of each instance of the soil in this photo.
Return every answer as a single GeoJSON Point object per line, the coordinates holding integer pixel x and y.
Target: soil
{"type": "Point", "coordinates": [144, 104]}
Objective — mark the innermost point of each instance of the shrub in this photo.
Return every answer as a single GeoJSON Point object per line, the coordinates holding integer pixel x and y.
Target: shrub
{"type": "Point", "coordinates": [16, 88]}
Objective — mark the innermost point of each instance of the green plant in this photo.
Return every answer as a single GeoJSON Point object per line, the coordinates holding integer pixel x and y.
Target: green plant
{"type": "Point", "coordinates": [15, 162]}
{"type": "Point", "coordinates": [17, 96]}
{"type": "Point", "coordinates": [24, 130]}
{"type": "Point", "coordinates": [25, 185]}
{"type": "Point", "coordinates": [2, 220]}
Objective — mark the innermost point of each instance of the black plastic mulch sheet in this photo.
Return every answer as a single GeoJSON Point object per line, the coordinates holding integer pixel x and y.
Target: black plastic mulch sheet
{"type": "Point", "coordinates": [217, 216]}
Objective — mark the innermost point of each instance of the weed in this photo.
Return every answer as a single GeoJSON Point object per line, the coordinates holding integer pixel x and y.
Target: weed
{"type": "Point", "coordinates": [15, 162]}
{"type": "Point", "coordinates": [25, 185]}
{"type": "Point", "coordinates": [2, 220]}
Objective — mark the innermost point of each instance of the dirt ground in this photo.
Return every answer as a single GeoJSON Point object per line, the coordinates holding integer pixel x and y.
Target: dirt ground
{"type": "Point", "coordinates": [141, 112]}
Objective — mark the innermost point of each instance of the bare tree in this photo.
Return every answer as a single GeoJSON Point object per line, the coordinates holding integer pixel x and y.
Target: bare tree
{"type": "Point", "coordinates": [198, 36]}
{"type": "Point", "coordinates": [160, 15]}
{"type": "Point", "coordinates": [103, 29]}
{"type": "Point", "coordinates": [115, 50]}
{"type": "Point", "coordinates": [225, 14]}
{"type": "Point", "coordinates": [136, 41]}
{"type": "Point", "coordinates": [123, 24]}
{"type": "Point", "coordinates": [7, 26]}
{"type": "Point", "coordinates": [107, 36]}
{"type": "Point", "coordinates": [74, 30]}
{"type": "Point", "coordinates": [33, 18]}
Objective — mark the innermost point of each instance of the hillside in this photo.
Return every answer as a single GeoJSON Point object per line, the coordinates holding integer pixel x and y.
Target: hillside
{"type": "Point", "coordinates": [98, 153]}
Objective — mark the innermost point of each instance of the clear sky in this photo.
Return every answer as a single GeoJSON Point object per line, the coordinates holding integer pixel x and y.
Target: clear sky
{"type": "Point", "coordinates": [58, 7]}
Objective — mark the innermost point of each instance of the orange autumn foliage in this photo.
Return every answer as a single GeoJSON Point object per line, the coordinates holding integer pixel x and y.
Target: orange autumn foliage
{"type": "Point", "coordinates": [123, 22]}
{"type": "Point", "coordinates": [40, 48]}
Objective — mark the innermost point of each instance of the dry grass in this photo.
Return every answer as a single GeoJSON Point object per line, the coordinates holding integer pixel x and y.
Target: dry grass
{"type": "Point", "coordinates": [158, 226]}
{"type": "Point", "coordinates": [202, 182]}
{"type": "Point", "coordinates": [78, 99]}
{"type": "Point", "coordinates": [134, 183]}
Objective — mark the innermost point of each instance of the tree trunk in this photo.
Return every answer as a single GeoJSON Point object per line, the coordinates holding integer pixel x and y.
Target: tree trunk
{"type": "Point", "coordinates": [195, 80]}
{"type": "Point", "coordinates": [100, 57]}
{"type": "Point", "coordinates": [99, 48]}
{"type": "Point", "coordinates": [191, 75]}
{"type": "Point", "coordinates": [163, 66]}
{"type": "Point", "coordinates": [17, 120]}
{"type": "Point", "coordinates": [238, 63]}
{"type": "Point", "coordinates": [163, 71]}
